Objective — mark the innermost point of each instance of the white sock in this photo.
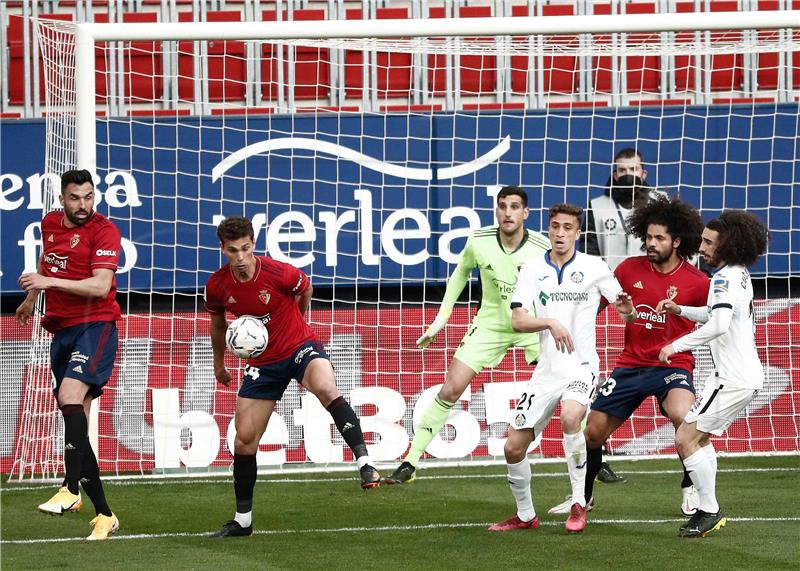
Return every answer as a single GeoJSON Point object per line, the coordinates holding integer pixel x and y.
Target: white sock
{"type": "Point", "coordinates": [575, 453]}
{"type": "Point", "coordinates": [711, 454]}
{"type": "Point", "coordinates": [519, 480]}
{"type": "Point", "coordinates": [703, 475]}
{"type": "Point", "coordinates": [363, 461]}
{"type": "Point", "coordinates": [244, 519]}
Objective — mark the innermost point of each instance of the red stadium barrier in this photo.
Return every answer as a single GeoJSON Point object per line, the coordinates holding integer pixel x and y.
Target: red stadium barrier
{"type": "Point", "coordinates": [162, 407]}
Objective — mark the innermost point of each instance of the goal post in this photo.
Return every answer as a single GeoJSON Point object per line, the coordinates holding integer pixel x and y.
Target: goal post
{"type": "Point", "coordinates": [86, 35]}
{"type": "Point", "coordinates": [365, 151]}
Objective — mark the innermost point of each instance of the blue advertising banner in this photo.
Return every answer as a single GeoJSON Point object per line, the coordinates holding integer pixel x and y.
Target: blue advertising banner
{"type": "Point", "coordinates": [390, 198]}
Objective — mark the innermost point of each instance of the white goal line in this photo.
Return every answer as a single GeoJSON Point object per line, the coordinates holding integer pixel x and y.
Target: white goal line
{"type": "Point", "coordinates": [392, 528]}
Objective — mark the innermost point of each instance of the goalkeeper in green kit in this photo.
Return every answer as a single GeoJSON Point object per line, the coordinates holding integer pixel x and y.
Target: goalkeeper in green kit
{"type": "Point", "coordinates": [499, 252]}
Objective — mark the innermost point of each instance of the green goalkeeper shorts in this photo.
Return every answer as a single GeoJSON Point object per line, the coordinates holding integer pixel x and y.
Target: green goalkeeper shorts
{"type": "Point", "coordinates": [484, 349]}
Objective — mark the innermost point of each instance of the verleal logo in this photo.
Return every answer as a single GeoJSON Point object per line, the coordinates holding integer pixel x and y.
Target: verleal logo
{"type": "Point", "coordinates": [364, 160]}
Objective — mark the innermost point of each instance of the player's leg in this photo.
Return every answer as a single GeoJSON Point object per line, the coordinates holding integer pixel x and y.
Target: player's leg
{"type": "Point", "coordinates": [479, 349]}
{"type": "Point", "coordinates": [318, 377]}
{"type": "Point", "coordinates": [713, 413]}
{"type": "Point", "coordinates": [599, 427]}
{"type": "Point", "coordinates": [105, 522]}
{"type": "Point", "coordinates": [71, 393]}
{"type": "Point", "coordinates": [519, 481]}
{"type": "Point", "coordinates": [459, 376]}
{"type": "Point", "coordinates": [251, 418]}
{"type": "Point", "coordinates": [64, 500]}
{"type": "Point", "coordinates": [533, 412]}
{"type": "Point", "coordinates": [676, 403]}
{"type": "Point", "coordinates": [575, 400]}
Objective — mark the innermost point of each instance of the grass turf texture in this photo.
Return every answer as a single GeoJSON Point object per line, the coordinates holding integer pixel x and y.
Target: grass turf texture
{"type": "Point", "coordinates": [437, 522]}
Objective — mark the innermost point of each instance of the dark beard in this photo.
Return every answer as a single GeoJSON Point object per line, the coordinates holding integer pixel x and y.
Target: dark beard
{"type": "Point", "coordinates": [659, 258]}
{"type": "Point", "coordinates": [77, 221]}
{"type": "Point", "coordinates": [629, 191]}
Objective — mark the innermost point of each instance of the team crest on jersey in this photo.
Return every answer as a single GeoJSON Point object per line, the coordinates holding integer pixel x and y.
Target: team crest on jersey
{"type": "Point", "coordinates": [264, 296]}
{"type": "Point", "coordinates": [672, 292]}
{"type": "Point", "coordinates": [610, 224]}
{"type": "Point", "coordinates": [576, 277]}
{"type": "Point", "coordinates": [519, 420]}
{"type": "Point", "coordinates": [231, 299]}
{"type": "Point", "coordinates": [50, 239]}
{"type": "Point", "coordinates": [74, 240]}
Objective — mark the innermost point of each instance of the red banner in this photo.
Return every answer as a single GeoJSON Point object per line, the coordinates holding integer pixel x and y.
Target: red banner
{"type": "Point", "coordinates": [163, 409]}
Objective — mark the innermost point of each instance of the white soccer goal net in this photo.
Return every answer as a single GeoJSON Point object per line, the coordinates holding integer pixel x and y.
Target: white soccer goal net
{"type": "Point", "coordinates": [366, 162]}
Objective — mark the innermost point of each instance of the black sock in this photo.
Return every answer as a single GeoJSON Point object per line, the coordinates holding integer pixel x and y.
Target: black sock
{"type": "Point", "coordinates": [687, 480]}
{"type": "Point", "coordinates": [76, 431]}
{"type": "Point", "coordinates": [244, 480]}
{"type": "Point", "coordinates": [348, 425]}
{"type": "Point", "coordinates": [594, 460]}
{"type": "Point", "coordinates": [90, 479]}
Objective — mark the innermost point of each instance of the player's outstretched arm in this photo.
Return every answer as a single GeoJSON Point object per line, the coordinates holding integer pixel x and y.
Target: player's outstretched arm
{"type": "Point", "coordinates": [523, 322]}
{"type": "Point", "coordinates": [437, 325]}
{"type": "Point", "coordinates": [218, 325]}
{"type": "Point", "coordinates": [697, 314]}
{"type": "Point", "coordinates": [718, 324]}
{"type": "Point", "coordinates": [455, 285]}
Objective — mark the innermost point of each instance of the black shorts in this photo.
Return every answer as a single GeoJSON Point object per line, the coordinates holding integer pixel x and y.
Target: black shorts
{"type": "Point", "coordinates": [268, 382]}
{"type": "Point", "coordinates": [622, 393]}
{"type": "Point", "coordinates": [85, 352]}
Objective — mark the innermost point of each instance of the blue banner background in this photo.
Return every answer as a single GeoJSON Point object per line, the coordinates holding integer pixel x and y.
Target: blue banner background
{"type": "Point", "coordinates": [718, 157]}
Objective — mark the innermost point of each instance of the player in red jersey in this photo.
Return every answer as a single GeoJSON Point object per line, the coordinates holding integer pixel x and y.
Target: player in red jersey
{"type": "Point", "coordinates": [278, 294]}
{"type": "Point", "coordinates": [670, 231]}
{"type": "Point", "coordinates": [80, 254]}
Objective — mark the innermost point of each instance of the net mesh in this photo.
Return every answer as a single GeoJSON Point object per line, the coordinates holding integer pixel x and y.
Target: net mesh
{"type": "Point", "coordinates": [366, 163]}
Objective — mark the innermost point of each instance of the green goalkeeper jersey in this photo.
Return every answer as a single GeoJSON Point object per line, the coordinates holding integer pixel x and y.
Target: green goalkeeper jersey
{"type": "Point", "coordinates": [498, 273]}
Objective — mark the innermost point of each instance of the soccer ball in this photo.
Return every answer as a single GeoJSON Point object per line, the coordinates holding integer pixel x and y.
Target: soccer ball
{"type": "Point", "coordinates": [247, 337]}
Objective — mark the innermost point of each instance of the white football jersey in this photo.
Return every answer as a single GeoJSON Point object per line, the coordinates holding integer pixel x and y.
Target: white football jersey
{"type": "Point", "coordinates": [733, 348]}
{"type": "Point", "coordinates": [572, 296]}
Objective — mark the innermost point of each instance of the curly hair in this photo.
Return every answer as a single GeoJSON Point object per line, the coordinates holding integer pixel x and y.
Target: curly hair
{"type": "Point", "coordinates": [742, 237]}
{"type": "Point", "coordinates": [233, 228]}
{"type": "Point", "coordinates": [682, 221]}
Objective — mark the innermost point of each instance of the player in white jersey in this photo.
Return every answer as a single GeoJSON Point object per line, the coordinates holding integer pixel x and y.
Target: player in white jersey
{"type": "Point", "coordinates": [731, 243]}
{"type": "Point", "coordinates": [565, 288]}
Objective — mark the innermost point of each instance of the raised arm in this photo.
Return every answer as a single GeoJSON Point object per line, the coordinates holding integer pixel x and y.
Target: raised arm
{"type": "Point", "coordinates": [455, 285]}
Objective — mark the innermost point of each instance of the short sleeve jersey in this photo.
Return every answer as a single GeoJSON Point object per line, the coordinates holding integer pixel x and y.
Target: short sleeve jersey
{"type": "Point", "coordinates": [268, 296]}
{"type": "Point", "coordinates": [572, 296]}
{"type": "Point", "coordinates": [74, 254]}
{"type": "Point", "coordinates": [499, 271]}
{"type": "Point", "coordinates": [734, 353]}
{"type": "Point", "coordinates": [644, 337]}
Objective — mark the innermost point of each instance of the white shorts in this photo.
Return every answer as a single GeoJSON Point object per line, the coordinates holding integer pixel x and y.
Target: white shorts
{"type": "Point", "coordinates": [538, 402]}
{"type": "Point", "coordinates": [717, 406]}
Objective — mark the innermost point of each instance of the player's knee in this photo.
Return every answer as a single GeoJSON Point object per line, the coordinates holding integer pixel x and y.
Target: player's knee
{"type": "Point", "coordinates": [571, 423]}
{"type": "Point", "coordinates": [245, 444]}
{"type": "Point", "coordinates": [515, 450]}
{"type": "Point", "coordinates": [594, 436]}
{"type": "Point", "coordinates": [453, 388]}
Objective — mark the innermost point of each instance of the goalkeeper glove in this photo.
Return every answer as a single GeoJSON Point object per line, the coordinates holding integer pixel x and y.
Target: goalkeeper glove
{"type": "Point", "coordinates": [433, 329]}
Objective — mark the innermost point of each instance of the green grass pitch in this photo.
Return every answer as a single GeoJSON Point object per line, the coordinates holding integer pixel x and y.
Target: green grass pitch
{"type": "Point", "coordinates": [437, 522]}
